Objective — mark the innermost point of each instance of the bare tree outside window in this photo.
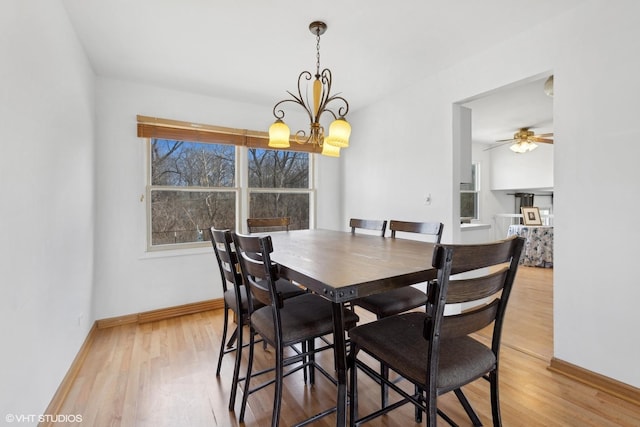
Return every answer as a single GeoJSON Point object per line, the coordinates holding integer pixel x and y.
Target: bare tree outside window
{"type": "Point", "coordinates": [192, 189]}
{"type": "Point", "coordinates": [192, 186]}
{"type": "Point", "coordinates": [274, 170]}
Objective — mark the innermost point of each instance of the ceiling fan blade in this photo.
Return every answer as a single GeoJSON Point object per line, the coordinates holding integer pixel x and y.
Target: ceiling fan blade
{"type": "Point", "coordinates": [500, 144]}
{"type": "Point", "coordinates": [542, 140]}
{"type": "Point", "coordinates": [544, 135]}
{"type": "Point", "coordinates": [505, 140]}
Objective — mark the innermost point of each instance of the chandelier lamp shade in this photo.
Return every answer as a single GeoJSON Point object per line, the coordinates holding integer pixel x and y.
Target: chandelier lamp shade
{"type": "Point", "coordinates": [322, 102]}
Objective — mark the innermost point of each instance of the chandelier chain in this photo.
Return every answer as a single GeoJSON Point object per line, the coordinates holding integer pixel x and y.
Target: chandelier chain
{"type": "Point", "coordinates": [318, 53]}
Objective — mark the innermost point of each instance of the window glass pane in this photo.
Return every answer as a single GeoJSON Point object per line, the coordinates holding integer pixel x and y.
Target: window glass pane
{"type": "Point", "coordinates": [468, 205]}
{"type": "Point", "coordinates": [472, 185]}
{"type": "Point", "coordinates": [185, 216]}
{"type": "Point", "coordinates": [269, 205]}
{"type": "Point", "coordinates": [278, 169]}
{"type": "Point", "coordinates": [189, 164]}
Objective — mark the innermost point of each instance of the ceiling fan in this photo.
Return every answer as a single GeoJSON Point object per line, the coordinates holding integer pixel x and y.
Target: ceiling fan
{"type": "Point", "coordinates": [524, 140]}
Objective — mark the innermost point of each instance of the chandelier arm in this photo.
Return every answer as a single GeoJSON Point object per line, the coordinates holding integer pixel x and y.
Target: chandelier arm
{"type": "Point", "coordinates": [306, 75]}
{"type": "Point", "coordinates": [279, 113]}
{"type": "Point", "coordinates": [305, 139]}
{"type": "Point", "coordinates": [342, 110]}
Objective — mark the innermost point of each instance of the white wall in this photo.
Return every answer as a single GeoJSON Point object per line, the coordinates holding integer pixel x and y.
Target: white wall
{"type": "Point", "coordinates": [400, 152]}
{"type": "Point", "coordinates": [494, 202]}
{"type": "Point", "coordinates": [491, 202]}
{"type": "Point", "coordinates": [402, 148]}
{"type": "Point", "coordinates": [47, 206]}
{"type": "Point", "coordinates": [128, 280]}
{"type": "Point", "coordinates": [596, 289]}
{"type": "Point", "coordinates": [513, 171]}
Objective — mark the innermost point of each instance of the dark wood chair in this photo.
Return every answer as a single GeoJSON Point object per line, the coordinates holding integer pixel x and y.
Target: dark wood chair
{"type": "Point", "coordinates": [282, 323]}
{"type": "Point", "coordinates": [236, 299]}
{"type": "Point", "coordinates": [436, 352]}
{"type": "Point", "coordinates": [368, 224]}
{"type": "Point", "coordinates": [402, 299]}
{"type": "Point", "coordinates": [263, 225]}
{"type": "Point", "coordinates": [398, 300]}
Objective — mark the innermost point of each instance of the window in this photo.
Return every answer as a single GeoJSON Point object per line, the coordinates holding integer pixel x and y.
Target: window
{"type": "Point", "coordinates": [195, 184]}
{"type": "Point", "coordinates": [279, 186]}
{"type": "Point", "coordinates": [469, 195]}
{"type": "Point", "coordinates": [192, 188]}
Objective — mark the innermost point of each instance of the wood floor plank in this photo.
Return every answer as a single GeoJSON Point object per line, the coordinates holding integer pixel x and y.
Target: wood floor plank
{"type": "Point", "coordinates": [162, 373]}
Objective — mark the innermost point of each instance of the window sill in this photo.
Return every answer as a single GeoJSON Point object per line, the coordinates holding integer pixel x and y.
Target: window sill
{"type": "Point", "coordinates": [466, 227]}
{"type": "Point", "coordinates": [170, 253]}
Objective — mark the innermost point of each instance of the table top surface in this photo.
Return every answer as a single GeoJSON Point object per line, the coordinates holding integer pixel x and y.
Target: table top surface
{"type": "Point", "coordinates": [342, 266]}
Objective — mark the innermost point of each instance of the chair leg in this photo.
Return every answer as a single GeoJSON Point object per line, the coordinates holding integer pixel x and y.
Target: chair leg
{"type": "Point", "coordinates": [247, 378]}
{"type": "Point", "coordinates": [233, 337]}
{"type": "Point", "coordinates": [303, 345]}
{"type": "Point", "coordinates": [495, 398]}
{"type": "Point", "coordinates": [311, 346]}
{"type": "Point", "coordinates": [418, 411]}
{"type": "Point", "coordinates": [225, 324]}
{"type": "Point", "coordinates": [277, 395]}
{"type": "Point", "coordinates": [236, 368]}
{"type": "Point", "coordinates": [384, 388]}
{"type": "Point", "coordinates": [467, 407]}
{"type": "Point", "coordinates": [432, 405]}
{"type": "Point", "coordinates": [353, 385]}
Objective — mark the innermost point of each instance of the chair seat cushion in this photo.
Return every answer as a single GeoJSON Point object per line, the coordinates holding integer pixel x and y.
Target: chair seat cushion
{"type": "Point", "coordinates": [398, 342]}
{"type": "Point", "coordinates": [393, 302]}
{"type": "Point", "coordinates": [230, 299]}
{"type": "Point", "coordinates": [285, 287]}
{"type": "Point", "coordinates": [302, 317]}
{"type": "Point", "coordinates": [288, 289]}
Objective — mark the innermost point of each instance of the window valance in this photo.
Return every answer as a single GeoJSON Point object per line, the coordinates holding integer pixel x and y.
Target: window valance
{"type": "Point", "coordinates": [153, 127]}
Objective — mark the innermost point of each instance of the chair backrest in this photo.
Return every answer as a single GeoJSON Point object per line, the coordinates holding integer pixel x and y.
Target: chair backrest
{"type": "Point", "coordinates": [430, 228]}
{"type": "Point", "coordinates": [490, 270]}
{"type": "Point", "coordinates": [258, 225]}
{"type": "Point", "coordinates": [368, 224]}
{"type": "Point", "coordinates": [222, 242]}
{"type": "Point", "coordinates": [258, 271]}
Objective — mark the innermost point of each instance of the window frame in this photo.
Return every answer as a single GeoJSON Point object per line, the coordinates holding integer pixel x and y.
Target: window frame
{"type": "Point", "coordinates": [475, 173]}
{"type": "Point", "coordinates": [243, 141]}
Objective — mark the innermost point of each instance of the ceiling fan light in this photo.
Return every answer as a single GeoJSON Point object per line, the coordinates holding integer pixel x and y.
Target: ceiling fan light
{"type": "Point", "coordinates": [518, 147]}
{"type": "Point", "coordinates": [279, 134]}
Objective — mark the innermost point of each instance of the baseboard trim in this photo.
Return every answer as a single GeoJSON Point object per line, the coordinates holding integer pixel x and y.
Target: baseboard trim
{"type": "Point", "coordinates": [65, 386]}
{"type": "Point", "coordinates": [162, 313]}
{"type": "Point", "coordinates": [600, 382]}
{"type": "Point", "coordinates": [148, 316]}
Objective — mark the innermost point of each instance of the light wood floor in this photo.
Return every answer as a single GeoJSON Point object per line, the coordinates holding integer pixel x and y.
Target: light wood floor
{"type": "Point", "coordinates": [163, 374]}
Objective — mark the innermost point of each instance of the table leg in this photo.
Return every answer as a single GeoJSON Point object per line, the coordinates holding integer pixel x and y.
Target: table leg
{"type": "Point", "coordinates": [340, 350]}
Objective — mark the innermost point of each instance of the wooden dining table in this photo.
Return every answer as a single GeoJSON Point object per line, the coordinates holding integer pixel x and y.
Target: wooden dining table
{"type": "Point", "coordinates": [342, 266]}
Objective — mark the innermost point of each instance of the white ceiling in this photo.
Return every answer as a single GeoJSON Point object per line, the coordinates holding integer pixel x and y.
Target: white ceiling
{"type": "Point", "coordinates": [499, 114]}
{"type": "Point", "coordinates": [253, 50]}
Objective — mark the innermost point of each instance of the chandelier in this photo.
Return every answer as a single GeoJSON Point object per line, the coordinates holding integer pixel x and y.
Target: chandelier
{"type": "Point", "coordinates": [339, 130]}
